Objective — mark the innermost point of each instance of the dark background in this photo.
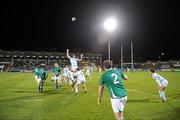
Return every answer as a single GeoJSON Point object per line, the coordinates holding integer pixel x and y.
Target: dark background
{"type": "Point", "coordinates": [152, 26]}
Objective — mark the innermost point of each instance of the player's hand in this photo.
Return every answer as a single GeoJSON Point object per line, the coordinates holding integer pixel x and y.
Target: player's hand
{"type": "Point", "coordinates": [81, 55]}
{"type": "Point", "coordinates": [68, 50]}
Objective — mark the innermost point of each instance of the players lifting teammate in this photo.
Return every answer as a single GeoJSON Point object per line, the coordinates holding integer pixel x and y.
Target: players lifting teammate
{"type": "Point", "coordinates": [74, 65]}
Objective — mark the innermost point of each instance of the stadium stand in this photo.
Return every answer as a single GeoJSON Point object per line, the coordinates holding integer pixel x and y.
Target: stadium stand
{"type": "Point", "coordinates": [26, 61]}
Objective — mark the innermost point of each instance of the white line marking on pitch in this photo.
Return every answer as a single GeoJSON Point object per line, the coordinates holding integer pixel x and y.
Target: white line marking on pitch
{"type": "Point", "coordinates": [33, 100]}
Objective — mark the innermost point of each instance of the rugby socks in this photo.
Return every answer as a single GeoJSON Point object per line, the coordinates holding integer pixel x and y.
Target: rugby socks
{"type": "Point", "coordinates": [160, 93]}
{"type": "Point", "coordinates": [76, 89]}
{"type": "Point", "coordinates": [163, 95]}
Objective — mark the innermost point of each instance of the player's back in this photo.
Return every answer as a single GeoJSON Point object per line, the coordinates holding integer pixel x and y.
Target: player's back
{"type": "Point", "coordinates": [113, 80]}
{"type": "Point", "coordinates": [158, 78]}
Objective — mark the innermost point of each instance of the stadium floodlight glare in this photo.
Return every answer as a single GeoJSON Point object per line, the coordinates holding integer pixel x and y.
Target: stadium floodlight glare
{"type": "Point", "coordinates": [110, 24]}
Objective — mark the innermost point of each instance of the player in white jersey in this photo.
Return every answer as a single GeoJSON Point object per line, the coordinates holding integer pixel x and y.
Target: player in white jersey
{"type": "Point", "coordinates": [65, 73]}
{"type": "Point", "coordinates": [88, 72]}
{"type": "Point", "coordinates": [162, 84]}
{"type": "Point", "coordinates": [71, 78]}
{"type": "Point", "coordinates": [73, 60]}
{"type": "Point", "coordinates": [80, 80]}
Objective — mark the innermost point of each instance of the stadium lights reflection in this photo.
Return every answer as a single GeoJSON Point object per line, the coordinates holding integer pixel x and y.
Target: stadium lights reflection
{"type": "Point", "coordinates": [110, 25]}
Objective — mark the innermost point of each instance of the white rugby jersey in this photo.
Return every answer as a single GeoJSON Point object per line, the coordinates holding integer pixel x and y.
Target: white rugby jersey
{"type": "Point", "coordinates": [159, 79]}
{"type": "Point", "coordinates": [65, 70]}
{"type": "Point", "coordinates": [74, 62]}
{"type": "Point", "coordinates": [80, 75]}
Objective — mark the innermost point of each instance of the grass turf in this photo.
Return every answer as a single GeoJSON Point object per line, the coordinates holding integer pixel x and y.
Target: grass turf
{"type": "Point", "coordinates": [20, 100]}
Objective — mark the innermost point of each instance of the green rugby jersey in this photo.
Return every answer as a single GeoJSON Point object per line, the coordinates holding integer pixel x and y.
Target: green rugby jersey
{"type": "Point", "coordinates": [43, 74]}
{"type": "Point", "coordinates": [36, 71]}
{"type": "Point", "coordinates": [56, 70]}
{"type": "Point", "coordinates": [113, 78]}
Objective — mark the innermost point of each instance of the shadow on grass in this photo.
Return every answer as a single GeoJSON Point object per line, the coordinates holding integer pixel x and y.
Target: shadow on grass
{"type": "Point", "coordinates": [17, 98]}
{"type": "Point", "coordinates": [174, 96]}
{"type": "Point", "coordinates": [143, 100]}
{"type": "Point", "coordinates": [173, 114]}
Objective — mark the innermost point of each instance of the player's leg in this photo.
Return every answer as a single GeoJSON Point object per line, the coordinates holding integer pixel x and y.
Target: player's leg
{"type": "Point", "coordinates": [115, 107]}
{"type": "Point", "coordinates": [123, 101]}
{"type": "Point", "coordinates": [71, 83]}
{"type": "Point", "coordinates": [86, 76]}
{"type": "Point", "coordinates": [76, 88]}
{"type": "Point", "coordinates": [40, 87]}
{"type": "Point", "coordinates": [84, 87]}
{"type": "Point", "coordinates": [90, 76]}
{"type": "Point", "coordinates": [160, 94]}
{"type": "Point", "coordinates": [65, 79]}
{"type": "Point", "coordinates": [162, 89]}
{"type": "Point", "coordinates": [118, 107]}
{"type": "Point", "coordinates": [37, 79]}
{"type": "Point", "coordinates": [58, 82]}
{"type": "Point", "coordinates": [55, 83]}
{"type": "Point", "coordinates": [163, 94]}
{"type": "Point", "coordinates": [118, 115]}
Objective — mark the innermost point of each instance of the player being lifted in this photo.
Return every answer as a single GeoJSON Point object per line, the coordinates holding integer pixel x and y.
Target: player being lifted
{"type": "Point", "coordinates": [73, 60]}
{"type": "Point", "coordinates": [80, 80]}
{"type": "Point", "coordinates": [162, 84]}
{"type": "Point", "coordinates": [74, 65]}
{"type": "Point", "coordinates": [40, 76]}
{"type": "Point", "coordinates": [112, 78]}
{"type": "Point", "coordinates": [56, 76]}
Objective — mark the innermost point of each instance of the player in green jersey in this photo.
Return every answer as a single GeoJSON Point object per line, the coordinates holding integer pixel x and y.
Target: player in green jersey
{"type": "Point", "coordinates": [113, 78]}
{"type": "Point", "coordinates": [40, 76]}
{"type": "Point", "coordinates": [35, 72]}
{"type": "Point", "coordinates": [56, 76]}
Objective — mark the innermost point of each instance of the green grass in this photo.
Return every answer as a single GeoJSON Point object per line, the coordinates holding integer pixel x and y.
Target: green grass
{"type": "Point", "coordinates": [19, 99]}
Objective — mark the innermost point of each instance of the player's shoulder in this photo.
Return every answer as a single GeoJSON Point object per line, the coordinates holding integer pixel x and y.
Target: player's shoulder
{"type": "Point", "coordinates": [115, 71]}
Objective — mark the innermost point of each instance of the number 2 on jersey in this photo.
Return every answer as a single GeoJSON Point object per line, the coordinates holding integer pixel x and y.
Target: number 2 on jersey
{"type": "Point", "coordinates": [115, 78]}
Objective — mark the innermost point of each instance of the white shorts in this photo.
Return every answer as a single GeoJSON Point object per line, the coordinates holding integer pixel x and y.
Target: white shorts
{"type": "Point", "coordinates": [88, 73]}
{"type": "Point", "coordinates": [80, 81]}
{"type": "Point", "coordinates": [56, 78]}
{"type": "Point", "coordinates": [65, 75]}
{"type": "Point", "coordinates": [71, 81]}
{"type": "Point", "coordinates": [118, 104]}
{"type": "Point", "coordinates": [165, 84]}
{"type": "Point", "coordinates": [37, 79]}
{"type": "Point", "coordinates": [74, 69]}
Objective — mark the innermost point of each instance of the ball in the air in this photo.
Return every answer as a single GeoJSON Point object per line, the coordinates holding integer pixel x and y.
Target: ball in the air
{"type": "Point", "coordinates": [73, 19]}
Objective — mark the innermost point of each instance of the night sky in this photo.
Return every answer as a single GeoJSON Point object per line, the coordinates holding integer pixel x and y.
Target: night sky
{"type": "Point", "coordinates": [152, 25]}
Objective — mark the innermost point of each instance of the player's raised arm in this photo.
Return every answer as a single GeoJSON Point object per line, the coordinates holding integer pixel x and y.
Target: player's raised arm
{"type": "Point", "coordinates": [81, 57]}
{"type": "Point", "coordinates": [67, 53]}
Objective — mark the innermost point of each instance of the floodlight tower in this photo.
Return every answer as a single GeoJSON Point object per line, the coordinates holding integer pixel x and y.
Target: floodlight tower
{"type": "Point", "coordinates": [110, 25]}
